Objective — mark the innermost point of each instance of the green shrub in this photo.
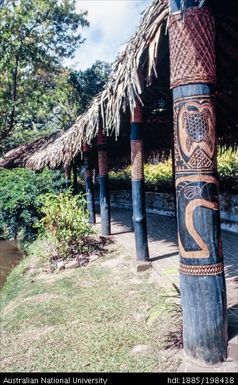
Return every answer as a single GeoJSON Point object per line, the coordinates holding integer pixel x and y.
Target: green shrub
{"type": "Point", "coordinates": [19, 189]}
{"type": "Point", "coordinates": [159, 177]}
{"type": "Point", "coordinates": [227, 165]}
{"type": "Point", "coordinates": [120, 179]}
{"type": "Point", "coordinates": [65, 218]}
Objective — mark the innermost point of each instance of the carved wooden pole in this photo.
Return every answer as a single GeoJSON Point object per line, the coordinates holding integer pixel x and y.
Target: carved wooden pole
{"type": "Point", "coordinates": [103, 183]}
{"type": "Point", "coordinates": [75, 176]}
{"type": "Point", "coordinates": [67, 176]}
{"type": "Point", "coordinates": [89, 184]}
{"type": "Point", "coordinates": [137, 180]}
{"type": "Point", "coordinates": [193, 76]}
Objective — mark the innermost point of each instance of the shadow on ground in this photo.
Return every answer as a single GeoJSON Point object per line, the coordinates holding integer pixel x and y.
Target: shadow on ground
{"type": "Point", "coordinates": [162, 236]}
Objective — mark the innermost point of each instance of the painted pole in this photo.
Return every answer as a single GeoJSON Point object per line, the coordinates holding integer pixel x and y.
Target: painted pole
{"type": "Point", "coordinates": [202, 282]}
{"type": "Point", "coordinates": [75, 177]}
{"type": "Point", "coordinates": [103, 183]}
{"type": "Point", "coordinates": [89, 184]}
{"type": "Point", "coordinates": [137, 182]}
{"type": "Point", "coordinates": [67, 177]}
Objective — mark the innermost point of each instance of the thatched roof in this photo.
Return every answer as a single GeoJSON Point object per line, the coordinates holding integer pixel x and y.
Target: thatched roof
{"type": "Point", "coordinates": [141, 72]}
{"type": "Point", "coordinates": [19, 156]}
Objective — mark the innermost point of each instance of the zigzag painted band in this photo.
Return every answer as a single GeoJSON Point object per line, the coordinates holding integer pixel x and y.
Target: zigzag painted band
{"type": "Point", "coordinates": [215, 269]}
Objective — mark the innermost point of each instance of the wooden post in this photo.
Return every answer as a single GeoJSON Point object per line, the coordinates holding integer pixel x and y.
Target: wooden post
{"type": "Point", "coordinates": [75, 177]}
{"type": "Point", "coordinates": [67, 176]}
{"type": "Point", "coordinates": [89, 184]}
{"type": "Point", "coordinates": [137, 181]}
{"type": "Point", "coordinates": [202, 282]}
{"type": "Point", "coordinates": [103, 183]}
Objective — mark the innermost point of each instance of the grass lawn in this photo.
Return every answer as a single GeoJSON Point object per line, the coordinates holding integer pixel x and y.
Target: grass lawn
{"type": "Point", "coordinates": [88, 319]}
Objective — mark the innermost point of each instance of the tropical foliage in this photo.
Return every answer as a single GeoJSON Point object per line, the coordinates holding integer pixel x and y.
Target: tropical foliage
{"type": "Point", "coordinates": [19, 190]}
{"type": "Point", "coordinates": [89, 83]}
{"type": "Point", "coordinates": [38, 95]}
{"type": "Point", "coordinates": [65, 218]}
{"type": "Point", "coordinates": [228, 169]}
{"type": "Point", "coordinates": [159, 177]}
{"type": "Point", "coordinates": [35, 95]}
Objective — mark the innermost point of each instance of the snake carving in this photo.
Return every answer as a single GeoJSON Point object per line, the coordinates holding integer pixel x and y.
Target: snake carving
{"type": "Point", "coordinates": [203, 251]}
{"type": "Point", "coordinates": [189, 222]}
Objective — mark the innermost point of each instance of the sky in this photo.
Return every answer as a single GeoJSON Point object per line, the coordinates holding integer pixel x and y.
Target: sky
{"type": "Point", "coordinates": [112, 23]}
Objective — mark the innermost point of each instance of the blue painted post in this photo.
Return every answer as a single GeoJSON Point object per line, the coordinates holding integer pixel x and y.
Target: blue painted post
{"type": "Point", "coordinates": [67, 177]}
{"type": "Point", "coordinates": [89, 184]}
{"type": "Point", "coordinates": [137, 181]}
{"type": "Point", "coordinates": [202, 282]}
{"type": "Point", "coordinates": [103, 183]}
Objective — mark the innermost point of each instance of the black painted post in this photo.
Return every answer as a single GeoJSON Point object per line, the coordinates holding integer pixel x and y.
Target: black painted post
{"type": "Point", "coordinates": [137, 181]}
{"type": "Point", "coordinates": [75, 177]}
{"type": "Point", "coordinates": [89, 184]}
{"type": "Point", "coordinates": [67, 177]}
{"type": "Point", "coordinates": [103, 183]}
{"type": "Point", "coordinates": [202, 282]}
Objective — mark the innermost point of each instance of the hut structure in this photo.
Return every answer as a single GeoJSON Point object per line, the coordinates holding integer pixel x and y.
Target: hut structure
{"type": "Point", "coordinates": [179, 66]}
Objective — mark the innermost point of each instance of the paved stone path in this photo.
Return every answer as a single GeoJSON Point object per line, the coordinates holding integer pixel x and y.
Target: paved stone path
{"type": "Point", "coordinates": [162, 235]}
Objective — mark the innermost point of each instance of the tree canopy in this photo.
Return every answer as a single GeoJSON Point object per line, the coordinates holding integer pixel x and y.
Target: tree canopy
{"type": "Point", "coordinates": [36, 35]}
{"type": "Point", "coordinates": [89, 83]}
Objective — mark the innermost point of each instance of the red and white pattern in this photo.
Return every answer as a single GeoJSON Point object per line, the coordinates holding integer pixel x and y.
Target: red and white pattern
{"type": "Point", "coordinates": [103, 163]}
{"type": "Point", "coordinates": [192, 47]}
{"type": "Point", "coordinates": [137, 170]}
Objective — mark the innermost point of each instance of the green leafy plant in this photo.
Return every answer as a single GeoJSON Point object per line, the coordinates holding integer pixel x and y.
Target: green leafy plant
{"type": "Point", "coordinates": [19, 207]}
{"type": "Point", "coordinates": [65, 217]}
{"type": "Point", "coordinates": [159, 177]}
{"type": "Point", "coordinates": [36, 35]}
{"type": "Point", "coordinates": [227, 165]}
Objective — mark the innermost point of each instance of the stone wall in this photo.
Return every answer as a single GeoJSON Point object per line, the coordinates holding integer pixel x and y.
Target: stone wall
{"type": "Point", "coordinates": [164, 204]}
